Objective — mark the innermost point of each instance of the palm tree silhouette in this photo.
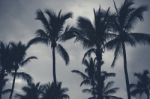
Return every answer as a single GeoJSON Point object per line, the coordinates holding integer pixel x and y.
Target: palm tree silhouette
{"type": "Point", "coordinates": [142, 85]}
{"type": "Point", "coordinates": [93, 35]}
{"type": "Point", "coordinates": [32, 91]}
{"type": "Point", "coordinates": [4, 64]}
{"type": "Point", "coordinates": [18, 56]}
{"type": "Point", "coordinates": [123, 21]}
{"type": "Point", "coordinates": [51, 34]}
{"type": "Point", "coordinates": [108, 91]}
{"type": "Point", "coordinates": [89, 75]}
{"type": "Point", "coordinates": [54, 91]}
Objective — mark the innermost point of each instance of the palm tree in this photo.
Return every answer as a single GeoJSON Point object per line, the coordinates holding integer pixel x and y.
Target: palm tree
{"type": "Point", "coordinates": [32, 91]}
{"type": "Point", "coordinates": [143, 84]}
{"type": "Point", "coordinates": [51, 34]}
{"type": "Point", "coordinates": [54, 91]}
{"type": "Point", "coordinates": [4, 63]}
{"type": "Point", "coordinates": [93, 35]}
{"type": "Point", "coordinates": [123, 21]}
{"type": "Point", "coordinates": [18, 56]}
{"type": "Point", "coordinates": [107, 92]}
{"type": "Point", "coordinates": [89, 75]}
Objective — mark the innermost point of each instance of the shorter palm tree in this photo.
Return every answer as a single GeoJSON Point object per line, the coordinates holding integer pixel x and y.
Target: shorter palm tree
{"type": "Point", "coordinates": [108, 91]}
{"type": "Point", "coordinates": [143, 84]}
{"type": "Point", "coordinates": [89, 75]}
{"type": "Point", "coordinates": [4, 64]}
{"type": "Point", "coordinates": [32, 91]}
{"type": "Point", "coordinates": [54, 91]}
{"type": "Point", "coordinates": [18, 57]}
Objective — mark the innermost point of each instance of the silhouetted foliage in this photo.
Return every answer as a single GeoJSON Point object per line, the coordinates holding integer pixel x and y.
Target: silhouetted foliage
{"type": "Point", "coordinates": [52, 33]}
{"type": "Point", "coordinates": [91, 77]}
{"type": "Point", "coordinates": [142, 85]}
{"type": "Point", "coordinates": [54, 91]}
{"type": "Point", "coordinates": [93, 36]}
{"type": "Point", "coordinates": [124, 20]}
{"type": "Point", "coordinates": [4, 64]}
{"type": "Point", "coordinates": [31, 91]}
{"type": "Point", "coordinates": [18, 54]}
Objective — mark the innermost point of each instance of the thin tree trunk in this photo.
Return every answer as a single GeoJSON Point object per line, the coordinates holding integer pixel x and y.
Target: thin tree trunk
{"type": "Point", "coordinates": [13, 85]}
{"type": "Point", "coordinates": [148, 95]}
{"type": "Point", "coordinates": [100, 62]}
{"type": "Point", "coordinates": [126, 71]}
{"type": "Point", "coordinates": [1, 81]}
{"type": "Point", "coordinates": [54, 66]}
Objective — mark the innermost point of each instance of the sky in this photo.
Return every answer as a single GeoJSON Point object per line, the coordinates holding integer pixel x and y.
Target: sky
{"type": "Point", "coordinates": [17, 23]}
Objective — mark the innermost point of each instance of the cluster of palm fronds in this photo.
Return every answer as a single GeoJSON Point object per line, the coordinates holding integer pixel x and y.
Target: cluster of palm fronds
{"type": "Point", "coordinates": [108, 30]}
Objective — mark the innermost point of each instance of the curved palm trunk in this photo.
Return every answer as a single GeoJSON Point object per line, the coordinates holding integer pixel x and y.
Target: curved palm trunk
{"type": "Point", "coordinates": [1, 85]}
{"type": "Point", "coordinates": [13, 85]}
{"type": "Point", "coordinates": [54, 66]}
{"type": "Point", "coordinates": [126, 70]}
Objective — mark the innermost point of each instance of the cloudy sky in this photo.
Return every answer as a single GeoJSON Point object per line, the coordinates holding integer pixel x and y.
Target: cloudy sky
{"type": "Point", "coordinates": [17, 23]}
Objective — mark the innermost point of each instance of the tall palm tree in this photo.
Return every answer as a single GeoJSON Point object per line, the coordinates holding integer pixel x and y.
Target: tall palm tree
{"type": "Point", "coordinates": [93, 35]}
{"type": "Point", "coordinates": [18, 56]}
{"type": "Point", "coordinates": [123, 22]}
{"type": "Point", "coordinates": [108, 91]}
{"type": "Point", "coordinates": [54, 91]}
{"type": "Point", "coordinates": [51, 34]}
{"type": "Point", "coordinates": [4, 63]}
{"type": "Point", "coordinates": [32, 91]}
{"type": "Point", "coordinates": [142, 85]}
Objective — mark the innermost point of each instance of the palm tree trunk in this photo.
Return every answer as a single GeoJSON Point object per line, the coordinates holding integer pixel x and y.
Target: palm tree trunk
{"type": "Point", "coordinates": [1, 85]}
{"type": "Point", "coordinates": [126, 70]}
{"type": "Point", "coordinates": [54, 66]}
{"type": "Point", "coordinates": [100, 62]}
{"type": "Point", "coordinates": [93, 85]}
{"type": "Point", "coordinates": [13, 85]}
{"type": "Point", "coordinates": [148, 95]}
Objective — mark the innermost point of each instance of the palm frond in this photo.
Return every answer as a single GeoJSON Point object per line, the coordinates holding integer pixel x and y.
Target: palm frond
{"type": "Point", "coordinates": [141, 38]}
{"type": "Point", "coordinates": [134, 16]}
{"type": "Point", "coordinates": [88, 53]}
{"type": "Point", "coordinates": [116, 54]}
{"type": "Point", "coordinates": [23, 76]}
{"type": "Point", "coordinates": [116, 7]}
{"type": "Point", "coordinates": [41, 33]}
{"type": "Point", "coordinates": [85, 82]}
{"type": "Point", "coordinates": [80, 73]}
{"type": "Point", "coordinates": [108, 85]}
{"type": "Point", "coordinates": [38, 40]}
{"type": "Point", "coordinates": [65, 17]}
{"type": "Point", "coordinates": [112, 43]}
{"type": "Point", "coordinates": [28, 60]}
{"type": "Point", "coordinates": [68, 34]}
{"type": "Point", "coordinates": [85, 25]}
{"type": "Point", "coordinates": [40, 16]}
{"type": "Point", "coordinates": [63, 53]}
{"type": "Point", "coordinates": [112, 91]}
{"type": "Point", "coordinates": [87, 91]}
